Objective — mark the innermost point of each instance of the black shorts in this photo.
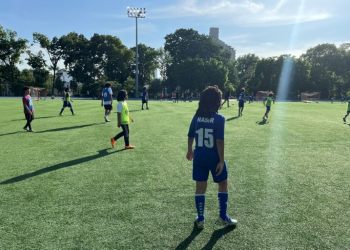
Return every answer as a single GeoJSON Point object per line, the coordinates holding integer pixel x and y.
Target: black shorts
{"type": "Point", "coordinates": [29, 117]}
{"type": "Point", "coordinates": [144, 101]}
{"type": "Point", "coordinates": [241, 104]}
{"type": "Point", "coordinates": [108, 107]}
{"type": "Point", "coordinates": [226, 98]}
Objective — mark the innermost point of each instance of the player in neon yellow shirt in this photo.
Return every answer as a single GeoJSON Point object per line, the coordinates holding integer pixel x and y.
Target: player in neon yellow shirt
{"type": "Point", "coordinates": [67, 102]}
{"type": "Point", "coordinates": [123, 119]}
{"type": "Point", "coordinates": [268, 102]}
{"type": "Point", "coordinates": [348, 112]}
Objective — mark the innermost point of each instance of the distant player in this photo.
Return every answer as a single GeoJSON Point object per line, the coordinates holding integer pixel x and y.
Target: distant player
{"type": "Point", "coordinates": [173, 97]}
{"type": "Point", "coordinates": [191, 97]}
{"type": "Point", "coordinates": [123, 119]}
{"type": "Point", "coordinates": [144, 98]}
{"type": "Point", "coordinates": [107, 100]}
{"type": "Point", "coordinates": [332, 100]}
{"type": "Point", "coordinates": [268, 102]}
{"type": "Point", "coordinates": [207, 129]}
{"type": "Point", "coordinates": [251, 98]}
{"type": "Point", "coordinates": [343, 99]}
{"type": "Point", "coordinates": [227, 98]}
{"type": "Point", "coordinates": [348, 112]}
{"type": "Point", "coordinates": [67, 102]}
{"type": "Point", "coordinates": [28, 108]}
{"type": "Point", "coordinates": [241, 101]}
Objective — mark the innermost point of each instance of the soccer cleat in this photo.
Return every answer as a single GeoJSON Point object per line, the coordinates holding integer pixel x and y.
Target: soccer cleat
{"type": "Point", "coordinates": [74, 113]}
{"type": "Point", "coordinates": [129, 147]}
{"type": "Point", "coordinates": [30, 130]}
{"type": "Point", "coordinates": [147, 108]}
{"type": "Point", "coordinates": [344, 119]}
{"type": "Point", "coordinates": [226, 222]}
{"type": "Point", "coordinates": [200, 224]}
{"type": "Point", "coordinates": [25, 128]}
{"type": "Point", "coordinates": [267, 116]}
{"type": "Point", "coordinates": [113, 141]}
{"type": "Point", "coordinates": [106, 119]}
{"type": "Point", "coordinates": [264, 118]}
{"type": "Point", "coordinates": [142, 109]}
{"type": "Point", "coordinates": [61, 114]}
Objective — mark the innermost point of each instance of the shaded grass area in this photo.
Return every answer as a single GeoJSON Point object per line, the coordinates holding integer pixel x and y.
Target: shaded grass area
{"type": "Point", "coordinates": [64, 187]}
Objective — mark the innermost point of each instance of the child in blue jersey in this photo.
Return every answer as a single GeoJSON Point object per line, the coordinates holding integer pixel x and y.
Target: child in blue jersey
{"type": "Point", "coordinates": [107, 100]}
{"type": "Point", "coordinates": [28, 108]}
{"type": "Point", "coordinates": [67, 102]}
{"type": "Point", "coordinates": [268, 102]}
{"type": "Point", "coordinates": [241, 101]}
{"type": "Point", "coordinates": [207, 128]}
{"type": "Point", "coordinates": [348, 112]}
{"type": "Point", "coordinates": [145, 97]}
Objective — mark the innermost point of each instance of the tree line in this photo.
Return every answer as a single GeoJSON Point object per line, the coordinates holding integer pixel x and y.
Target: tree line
{"type": "Point", "coordinates": [188, 62]}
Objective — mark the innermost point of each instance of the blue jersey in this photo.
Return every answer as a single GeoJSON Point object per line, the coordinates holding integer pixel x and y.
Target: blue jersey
{"type": "Point", "coordinates": [106, 94]}
{"type": "Point", "coordinates": [206, 131]}
{"type": "Point", "coordinates": [144, 95]}
{"type": "Point", "coordinates": [27, 100]}
{"type": "Point", "coordinates": [241, 97]}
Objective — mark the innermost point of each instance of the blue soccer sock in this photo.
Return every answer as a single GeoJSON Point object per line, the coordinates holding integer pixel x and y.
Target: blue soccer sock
{"type": "Point", "coordinates": [71, 110]}
{"type": "Point", "coordinates": [200, 204]}
{"type": "Point", "coordinates": [223, 199]}
{"type": "Point", "coordinates": [61, 111]}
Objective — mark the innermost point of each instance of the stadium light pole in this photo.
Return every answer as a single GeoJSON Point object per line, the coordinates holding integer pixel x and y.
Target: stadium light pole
{"type": "Point", "coordinates": [136, 13]}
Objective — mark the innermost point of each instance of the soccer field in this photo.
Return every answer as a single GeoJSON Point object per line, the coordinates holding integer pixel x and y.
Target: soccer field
{"type": "Point", "coordinates": [64, 187]}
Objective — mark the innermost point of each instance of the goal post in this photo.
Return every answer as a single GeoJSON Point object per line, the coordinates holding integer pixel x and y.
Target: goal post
{"type": "Point", "coordinates": [38, 93]}
{"type": "Point", "coordinates": [310, 97]}
{"type": "Point", "coordinates": [262, 95]}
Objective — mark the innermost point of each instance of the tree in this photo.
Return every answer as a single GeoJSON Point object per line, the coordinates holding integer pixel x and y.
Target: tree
{"type": "Point", "coordinates": [245, 66]}
{"type": "Point", "coordinates": [38, 63]}
{"type": "Point", "coordinates": [188, 43]}
{"type": "Point", "coordinates": [53, 49]}
{"type": "Point", "coordinates": [164, 60]}
{"type": "Point", "coordinates": [147, 63]}
{"type": "Point", "coordinates": [10, 51]}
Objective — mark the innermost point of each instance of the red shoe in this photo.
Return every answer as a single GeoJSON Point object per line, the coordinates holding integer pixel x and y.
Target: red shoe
{"type": "Point", "coordinates": [129, 147]}
{"type": "Point", "coordinates": [113, 141]}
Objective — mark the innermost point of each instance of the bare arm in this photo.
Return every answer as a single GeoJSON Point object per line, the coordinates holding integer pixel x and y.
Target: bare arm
{"type": "Point", "coordinates": [221, 149]}
{"type": "Point", "coordinates": [189, 155]}
{"type": "Point", "coordinates": [111, 96]}
{"type": "Point", "coordinates": [119, 119]}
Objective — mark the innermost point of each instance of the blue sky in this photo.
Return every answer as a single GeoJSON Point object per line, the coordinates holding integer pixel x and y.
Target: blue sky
{"type": "Point", "coordinates": [264, 27]}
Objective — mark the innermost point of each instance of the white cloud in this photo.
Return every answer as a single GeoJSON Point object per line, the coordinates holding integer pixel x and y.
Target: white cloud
{"type": "Point", "coordinates": [247, 12]}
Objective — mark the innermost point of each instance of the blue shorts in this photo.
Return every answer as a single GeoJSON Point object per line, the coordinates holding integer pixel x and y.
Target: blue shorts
{"type": "Point", "coordinates": [65, 104]}
{"type": "Point", "coordinates": [201, 171]}
{"type": "Point", "coordinates": [268, 107]}
{"type": "Point", "coordinates": [241, 104]}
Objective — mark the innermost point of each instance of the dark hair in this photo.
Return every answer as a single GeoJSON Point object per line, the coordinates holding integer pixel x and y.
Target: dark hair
{"type": "Point", "coordinates": [271, 93]}
{"type": "Point", "coordinates": [66, 89]}
{"type": "Point", "coordinates": [144, 88]}
{"type": "Point", "coordinates": [122, 95]}
{"type": "Point", "coordinates": [25, 88]}
{"type": "Point", "coordinates": [209, 102]}
{"type": "Point", "coordinates": [107, 85]}
{"type": "Point", "coordinates": [242, 89]}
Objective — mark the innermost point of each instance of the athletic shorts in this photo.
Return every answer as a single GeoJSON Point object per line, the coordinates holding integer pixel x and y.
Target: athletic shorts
{"type": "Point", "coordinates": [65, 104]}
{"type": "Point", "coordinates": [144, 101]}
{"type": "Point", "coordinates": [201, 171]}
{"type": "Point", "coordinates": [268, 107]}
{"type": "Point", "coordinates": [108, 107]}
{"type": "Point", "coordinates": [241, 104]}
{"type": "Point", "coordinates": [29, 117]}
{"type": "Point", "coordinates": [226, 98]}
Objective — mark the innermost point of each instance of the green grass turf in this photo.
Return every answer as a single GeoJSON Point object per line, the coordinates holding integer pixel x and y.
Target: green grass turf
{"type": "Point", "coordinates": [64, 187]}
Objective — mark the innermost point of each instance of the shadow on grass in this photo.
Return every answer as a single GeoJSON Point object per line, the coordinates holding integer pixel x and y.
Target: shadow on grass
{"type": "Point", "coordinates": [68, 128]}
{"type": "Point", "coordinates": [186, 242]}
{"type": "Point", "coordinates": [217, 234]}
{"type": "Point", "coordinates": [13, 133]}
{"type": "Point", "coordinates": [101, 153]}
{"type": "Point", "coordinates": [35, 118]}
{"type": "Point", "coordinates": [232, 118]}
{"type": "Point", "coordinates": [263, 122]}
